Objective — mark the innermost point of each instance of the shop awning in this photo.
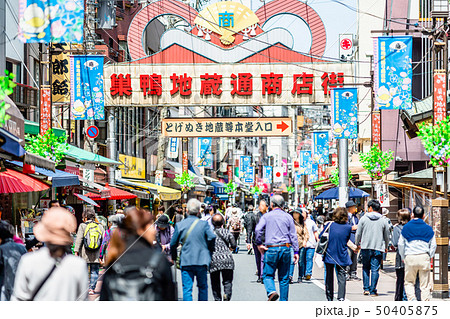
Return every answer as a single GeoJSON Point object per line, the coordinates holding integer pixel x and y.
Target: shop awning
{"type": "Point", "coordinates": [32, 128]}
{"type": "Point", "coordinates": [80, 155]}
{"type": "Point", "coordinates": [87, 200]}
{"type": "Point", "coordinates": [207, 178]}
{"type": "Point", "coordinates": [11, 143]}
{"type": "Point", "coordinates": [164, 193]}
{"type": "Point", "coordinates": [115, 194]}
{"type": "Point", "coordinates": [409, 186]}
{"type": "Point", "coordinates": [12, 181]}
{"type": "Point", "coordinates": [219, 188]}
{"type": "Point", "coordinates": [422, 177]}
{"type": "Point", "coordinates": [39, 161]}
{"type": "Point", "coordinates": [58, 178]}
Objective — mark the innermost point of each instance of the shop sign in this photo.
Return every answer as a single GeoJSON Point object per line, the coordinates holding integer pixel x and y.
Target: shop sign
{"type": "Point", "coordinates": [231, 127]}
{"type": "Point", "coordinates": [237, 84]}
{"type": "Point", "coordinates": [440, 96]}
{"type": "Point", "coordinates": [376, 128]}
{"type": "Point", "coordinates": [132, 167]}
{"type": "Point", "coordinates": [45, 120]}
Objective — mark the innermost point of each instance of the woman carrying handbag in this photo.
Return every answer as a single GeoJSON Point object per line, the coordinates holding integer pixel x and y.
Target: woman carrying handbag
{"type": "Point", "coordinates": [334, 245]}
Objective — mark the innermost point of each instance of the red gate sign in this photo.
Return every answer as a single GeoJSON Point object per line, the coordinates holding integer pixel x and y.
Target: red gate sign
{"type": "Point", "coordinates": [45, 120]}
{"type": "Point", "coordinates": [376, 128]}
{"type": "Point", "coordinates": [440, 97]}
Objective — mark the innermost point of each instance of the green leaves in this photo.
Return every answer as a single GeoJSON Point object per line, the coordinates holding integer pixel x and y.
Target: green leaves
{"type": "Point", "coordinates": [375, 162]}
{"type": "Point", "coordinates": [290, 189]}
{"type": "Point", "coordinates": [334, 179]}
{"type": "Point", "coordinates": [185, 180]}
{"type": "Point", "coordinates": [230, 188]}
{"type": "Point", "coordinates": [48, 145]}
{"type": "Point", "coordinates": [255, 190]}
{"type": "Point", "coordinates": [6, 88]}
{"type": "Point", "coordinates": [436, 141]}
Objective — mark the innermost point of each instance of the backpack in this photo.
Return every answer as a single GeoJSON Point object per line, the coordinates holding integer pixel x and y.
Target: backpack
{"type": "Point", "coordinates": [235, 223]}
{"type": "Point", "coordinates": [136, 283]}
{"type": "Point", "coordinates": [92, 238]}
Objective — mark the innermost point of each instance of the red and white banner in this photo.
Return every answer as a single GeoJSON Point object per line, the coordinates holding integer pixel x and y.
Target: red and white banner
{"type": "Point", "coordinates": [45, 120]}
{"type": "Point", "coordinates": [277, 174]}
{"type": "Point", "coordinates": [376, 128]}
{"type": "Point", "coordinates": [439, 97]}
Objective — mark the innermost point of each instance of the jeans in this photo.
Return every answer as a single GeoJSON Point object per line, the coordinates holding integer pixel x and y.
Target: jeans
{"type": "Point", "coordinates": [301, 262]}
{"type": "Point", "coordinates": [259, 258]}
{"type": "Point", "coordinates": [277, 258]}
{"type": "Point", "coordinates": [309, 253]}
{"type": "Point", "coordinates": [371, 260]}
{"type": "Point", "coordinates": [354, 266]}
{"type": "Point", "coordinates": [400, 294]}
{"type": "Point", "coordinates": [329, 281]}
{"type": "Point", "coordinates": [93, 274]}
{"type": "Point", "coordinates": [227, 281]}
{"type": "Point", "coordinates": [292, 266]}
{"type": "Point", "coordinates": [187, 277]}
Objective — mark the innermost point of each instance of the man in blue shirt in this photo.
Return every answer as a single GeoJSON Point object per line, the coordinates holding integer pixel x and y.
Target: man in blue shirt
{"type": "Point", "coordinates": [352, 221]}
{"type": "Point", "coordinates": [280, 234]}
{"type": "Point", "coordinates": [197, 240]}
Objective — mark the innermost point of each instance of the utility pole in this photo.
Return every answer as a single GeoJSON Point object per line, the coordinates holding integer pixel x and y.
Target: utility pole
{"type": "Point", "coordinates": [2, 37]}
{"type": "Point", "coordinates": [343, 171]}
{"type": "Point", "coordinates": [162, 145]}
{"type": "Point", "coordinates": [89, 45]}
{"type": "Point", "coordinates": [440, 13]}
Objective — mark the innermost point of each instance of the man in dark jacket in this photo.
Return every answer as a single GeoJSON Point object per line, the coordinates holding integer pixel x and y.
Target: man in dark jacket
{"type": "Point", "coordinates": [197, 240]}
{"type": "Point", "coordinates": [251, 237]}
{"type": "Point", "coordinates": [10, 254]}
{"type": "Point", "coordinates": [353, 221]}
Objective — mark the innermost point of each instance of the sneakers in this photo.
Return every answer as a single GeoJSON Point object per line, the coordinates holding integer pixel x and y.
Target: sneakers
{"type": "Point", "coordinates": [273, 296]}
{"type": "Point", "coordinates": [308, 277]}
{"type": "Point", "coordinates": [366, 293]}
{"type": "Point", "coordinates": [300, 279]}
{"type": "Point", "coordinates": [91, 292]}
{"type": "Point", "coordinates": [290, 281]}
{"type": "Point", "coordinates": [354, 277]}
{"type": "Point", "coordinates": [258, 280]}
{"type": "Point", "coordinates": [225, 297]}
{"type": "Point", "coordinates": [341, 299]}
{"type": "Point", "coordinates": [375, 294]}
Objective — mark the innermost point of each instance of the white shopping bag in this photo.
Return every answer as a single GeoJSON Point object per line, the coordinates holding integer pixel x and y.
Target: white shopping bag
{"type": "Point", "coordinates": [319, 260]}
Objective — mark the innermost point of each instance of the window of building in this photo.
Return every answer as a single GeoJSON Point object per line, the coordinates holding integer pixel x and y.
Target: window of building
{"type": "Point", "coordinates": [15, 68]}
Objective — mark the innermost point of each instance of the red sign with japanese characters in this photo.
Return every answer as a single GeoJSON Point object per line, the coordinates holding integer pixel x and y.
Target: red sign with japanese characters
{"type": "Point", "coordinates": [376, 128]}
{"type": "Point", "coordinates": [440, 97]}
{"type": "Point", "coordinates": [185, 161]}
{"type": "Point", "coordinates": [45, 120]}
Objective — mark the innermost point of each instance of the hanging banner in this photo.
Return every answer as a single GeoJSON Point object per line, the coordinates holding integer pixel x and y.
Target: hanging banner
{"type": "Point", "coordinates": [60, 76]}
{"type": "Point", "coordinates": [87, 101]}
{"type": "Point", "coordinates": [267, 174]}
{"type": "Point", "coordinates": [277, 175]}
{"type": "Point", "coordinates": [440, 97]}
{"type": "Point", "coordinates": [244, 168]}
{"type": "Point", "coordinates": [173, 148]}
{"type": "Point", "coordinates": [284, 165]}
{"type": "Point", "coordinates": [53, 21]}
{"type": "Point", "coordinates": [249, 177]}
{"type": "Point", "coordinates": [298, 179]}
{"type": "Point", "coordinates": [321, 147]}
{"type": "Point", "coordinates": [314, 176]}
{"type": "Point", "coordinates": [305, 163]}
{"type": "Point", "coordinates": [393, 72]}
{"type": "Point", "coordinates": [45, 117]}
{"type": "Point", "coordinates": [376, 128]}
{"type": "Point", "coordinates": [344, 113]}
{"type": "Point", "coordinates": [204, 154]}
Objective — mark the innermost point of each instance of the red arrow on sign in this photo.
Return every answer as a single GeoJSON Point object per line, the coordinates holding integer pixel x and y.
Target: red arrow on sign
{"type": "Point", "coordinates": [283, 126]}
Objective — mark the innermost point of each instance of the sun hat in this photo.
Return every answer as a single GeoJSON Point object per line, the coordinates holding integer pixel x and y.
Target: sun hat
{"type": "Point", "coordinates": [163, 221]}
{"type": "Point", "coordinates": [55, 227]}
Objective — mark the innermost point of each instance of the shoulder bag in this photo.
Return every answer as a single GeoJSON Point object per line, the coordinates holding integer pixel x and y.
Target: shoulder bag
{"type": "Point", "coordinates": [322, 245]}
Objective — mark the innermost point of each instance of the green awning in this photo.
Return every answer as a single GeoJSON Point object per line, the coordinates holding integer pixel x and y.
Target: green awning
{"type": "Point", "coordinates": [80, 155]}
{"type": "Point", "coordinates": [32, 128]}
{"type": "Point", "coordinates": [421, 177]}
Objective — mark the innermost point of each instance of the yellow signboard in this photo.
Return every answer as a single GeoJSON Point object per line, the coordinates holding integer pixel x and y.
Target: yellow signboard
{"type": "Point", "coordinates": [132, 167]}
{"type": "Point", "coordinates": [60, 75]}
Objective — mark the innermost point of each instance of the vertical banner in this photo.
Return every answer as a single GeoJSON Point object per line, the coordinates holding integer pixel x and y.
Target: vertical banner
{"type": "Point", "coordinates": [321, 147]}
{"type": "Point", "coordinates": [45, 116]}
{"type": "Point", "coordinates": [284, 165]}
{"type": "Point", "coordinates": [298, 178]}
{"type": "Point", "coordinates": [277, 175]}
{"type": "Point", "coordinates": [60, 77]}
{"type": "Point", "coordinates": [344, 113]}
{"type": "Point", "coordinates": [244, 163]}
{"type": "Point", "coordinates": [204, 154]}
{"type": "Point", "coordinates": [173, 148]}
{"type": "Point", "coordinates": [87, 101]}
{"type": "Point", "coordinates": [376, 128]}
{"type": "Point", "coordinates": [267, 174]}
{"type": "Point", "coordinates": [53, 21]}
{"type": "Point", "coordinates": [185, 161]}
{"type": "Point", "coordinates": [314, 176]}
{"type": "Point", "coordinates": [393, 72]}
{"type": "Point", "coordinates": [305, 163]}
{"type": "Point", "coordinates": [249, 177]}
{"type": "Point", "coordinates": [230, 173]}
{"type": "Point", "coordinates": [439, 97]}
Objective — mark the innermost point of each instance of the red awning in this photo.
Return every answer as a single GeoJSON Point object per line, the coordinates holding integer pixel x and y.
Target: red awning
{"type": "Point", "coordinates": [116, 194]}
{"type": "Point", "coordinates": [12, 181]}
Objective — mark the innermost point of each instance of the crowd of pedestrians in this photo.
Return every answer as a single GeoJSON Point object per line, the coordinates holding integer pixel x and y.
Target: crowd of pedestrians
{"type": "Point", "coordinates": [137, 256]}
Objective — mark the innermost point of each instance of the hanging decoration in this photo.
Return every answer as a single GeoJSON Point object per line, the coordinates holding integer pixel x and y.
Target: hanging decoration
{"type": "Point", "coordinates": [290, 189]}
{"type": "Point", "coordinates": [436, 141]}
{"type": "Point", "coordinates": [6, 88]}
{"type": "Point", "coordinates": [48, 145]}
{"type": "Point", "coordinates": [230, 188]}
{"type": "Point", "coordinates": [185, 180]}
{"type": "Point", "coordinates": [334, 179]}
{"type": "Point", "coordinates": [375, 162]}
